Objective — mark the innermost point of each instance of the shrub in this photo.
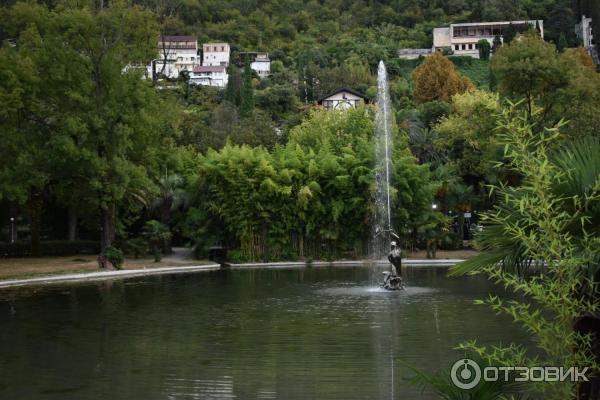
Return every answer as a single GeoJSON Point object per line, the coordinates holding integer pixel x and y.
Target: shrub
{"type": "Point", "coordinates": [114, 255]}
{"type": "Point", "coordinates": [136, 247]}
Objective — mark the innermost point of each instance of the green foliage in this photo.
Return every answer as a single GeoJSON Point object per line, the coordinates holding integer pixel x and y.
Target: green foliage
{"type": "Point", "coordinates": [156, 234]}
{"type": "Point", "coordinates": [441, 383]}
{"type": "Point", "coordinates": [233, 91]}
{"type": "Point", "coordinates": [467, 136]}
{"type": "Point", "coordinates": [78, 125]}
{"type": "Point", "coordinates": [562, 42]}
{"type": "Point", "coordinates": [114, 255]}
{"type": "Point", "coordinates": [565, 87]}
{"type": "Point", "coordinates": [548, 226]}
{"type": "Point", "coordinates": [247, 102]}
{"type": "Point", "coordinates": [310, 198]}
{"type": "Point", "coordinates": [484, 49]}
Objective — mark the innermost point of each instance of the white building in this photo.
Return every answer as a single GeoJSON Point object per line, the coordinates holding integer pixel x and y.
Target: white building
{"type": "Point", "coordinates": [210, 75]}
{"type": "Point", "coordinates": [583, 30]}
{"type": "Point", "coordinates": [342, 99]}
{"type": "Point", "coordinates": [175, 54]}
{"type": "Point", "coordinates": [214, 54]}
{"type": "Point", "coordinates": [261, 64]}
{"type": "Point", "coordinates": [413, 54]}
{"type": "Point", "coordinates": [463, 39]}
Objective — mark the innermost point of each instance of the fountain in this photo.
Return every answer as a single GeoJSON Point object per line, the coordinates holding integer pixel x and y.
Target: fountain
{"type": "Point", "coordinates": [383, 233]}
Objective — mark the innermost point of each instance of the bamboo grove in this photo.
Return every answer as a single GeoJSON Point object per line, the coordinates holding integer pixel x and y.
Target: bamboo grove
{"type": "Point", "coordinates": [311, 198]}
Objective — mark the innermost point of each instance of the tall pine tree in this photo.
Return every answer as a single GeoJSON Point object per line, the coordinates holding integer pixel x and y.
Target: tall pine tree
{"type": "Point", "coordinates": [247, 106]}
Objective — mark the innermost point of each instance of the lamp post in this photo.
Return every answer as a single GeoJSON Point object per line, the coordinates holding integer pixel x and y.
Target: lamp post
{"type": "Point", "coordinates": [12, 229]}
{"type": "Point", "coordinates": [434, 206]}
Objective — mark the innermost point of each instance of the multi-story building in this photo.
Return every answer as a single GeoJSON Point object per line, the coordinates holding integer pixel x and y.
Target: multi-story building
{"type": "Point", "coordinates": [583, 30]}
{"type": "Point", "coordinates": [462, 39]}
{"type": "Point", "coordinates": [210, 75]}
{"type": "Point", "coordinates": [175, 54]}
{"type": "Point", "coordinates": [214, 54]}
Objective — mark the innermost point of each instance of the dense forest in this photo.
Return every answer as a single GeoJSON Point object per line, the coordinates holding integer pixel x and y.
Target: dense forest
{"type": "Point", "coordinates": [93, 156]}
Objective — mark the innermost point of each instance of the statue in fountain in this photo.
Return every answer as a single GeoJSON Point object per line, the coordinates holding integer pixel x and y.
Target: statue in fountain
{"type": "Point", "coordinates": [393, 279]}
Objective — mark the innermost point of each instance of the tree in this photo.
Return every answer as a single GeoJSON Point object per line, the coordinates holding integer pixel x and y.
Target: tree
{"type": "Point", "coordinates": [562, 42]}
{"type": "Point", "coordinates": [549, 227]}
{"type": "Point", "coordinates": [563, 87]}
{"type": "Point", "coordinates": [528, 68]}
{"type": "Point", "coordinates": [247, 105]}
{"type": "Point", "coordinates": [467, 136]}
{"type": "Point", "coordinates": [436, 79]}
{"type": "Point", "coordinates": [497, 43]}
{"type": "Point", "coordinates": [484, 49]}
{"type": "Point", "coordinates": [171, 196]}
{"type": "Point", "coordinates": [103, 127]}
{"type": "Point", "coordinates": [157, 234]}
{"type": "Point", "coordinates": [233, 91]}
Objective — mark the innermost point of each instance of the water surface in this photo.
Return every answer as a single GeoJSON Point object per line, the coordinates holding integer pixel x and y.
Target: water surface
{"type": "Point", "coordinates": [319, 333]}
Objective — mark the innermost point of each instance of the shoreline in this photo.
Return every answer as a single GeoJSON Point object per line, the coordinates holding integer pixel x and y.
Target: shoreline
{"type": "Point", "coordinates": [132, 273]}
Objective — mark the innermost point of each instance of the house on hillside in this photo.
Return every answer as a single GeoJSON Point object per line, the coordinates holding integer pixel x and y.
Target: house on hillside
{"type": "Point", "coordinates": [210, 75]}
{"type": "Point", "coordinates": [214, 54]}
{"type": "Point", "coordinates": [342, 99]}
{"type": "Point", "coordinates": [463, 39]}
{"type": "Point", "coordinates": [583, 30]}
{"type": "Point", "coordinates": [174, 55]}
{"type": "Point", "coordinates": [261, 64]}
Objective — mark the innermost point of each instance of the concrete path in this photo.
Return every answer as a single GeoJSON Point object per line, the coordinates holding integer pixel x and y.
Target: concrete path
{"type": "Point", "coordinates": [129, 273]}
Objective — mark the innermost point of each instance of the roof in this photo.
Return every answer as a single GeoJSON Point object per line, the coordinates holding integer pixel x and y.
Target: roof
{"type": "Point", "coordinates": [175, 38]}
{"type": "Point", "coordinates": [215, 44]}
{"type": "Point", "coordinates": [344, 89]}
{"type": "Point", "coordinates": [533, 21]}
{"type": "Point", "coordinates": [209, 68]}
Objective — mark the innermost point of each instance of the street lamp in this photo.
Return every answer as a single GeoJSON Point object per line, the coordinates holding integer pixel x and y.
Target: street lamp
{"type": "Point", "coordinates": [434, 206]}
{"type": "Point", "coordinates": [12, 229]}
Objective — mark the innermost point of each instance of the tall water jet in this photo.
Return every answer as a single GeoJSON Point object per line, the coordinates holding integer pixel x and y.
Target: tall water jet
{"type": "Point", "coordinates": [382, 226]}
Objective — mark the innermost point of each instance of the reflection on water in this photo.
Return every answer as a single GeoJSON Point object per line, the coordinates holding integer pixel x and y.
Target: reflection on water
{"type": "Point", "coordinates": [317, 333]}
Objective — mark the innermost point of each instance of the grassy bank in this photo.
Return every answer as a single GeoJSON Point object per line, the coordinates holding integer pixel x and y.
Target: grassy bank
{"type": "Point", "coordinates": [19, 268]}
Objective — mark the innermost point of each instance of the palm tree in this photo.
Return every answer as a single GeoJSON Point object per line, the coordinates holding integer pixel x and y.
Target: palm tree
{"type": "Point", "coordinates": [171, 196]}
{"type": "Point", "coordinates": [460, 198]}
{"type": "Point", "coordinates": [510, 233]}
{"type": "Point", "coordinates": [581, 162]}
{"type": "Point", "coordinates": [156, 234]}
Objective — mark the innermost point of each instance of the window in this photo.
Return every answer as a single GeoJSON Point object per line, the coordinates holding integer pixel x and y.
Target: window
{"type": "Point", "coordinates": [214, 48]}
{"type": "Point", "coordinates": [222, 48]}
{"type": "Point", "coordinates": [476, 46]}
{"type": "Point", "coordinates": [470, 46]}
{"type": "Point", "coordinates": [456, 47]}
{"type": "Point", "coordinates": [463, 47]}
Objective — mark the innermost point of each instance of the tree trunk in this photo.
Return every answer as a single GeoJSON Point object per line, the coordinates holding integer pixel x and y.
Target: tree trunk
{"type": "Point", "coordinates": [108, 226]}
{"type": "Point", "coordinates": [72, 223]}
{"type": "Point", "coordinates": [35, 220]}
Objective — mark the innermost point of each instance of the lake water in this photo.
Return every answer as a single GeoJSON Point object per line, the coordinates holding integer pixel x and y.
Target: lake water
{"type": "Point", "coordinates": [315, 333]}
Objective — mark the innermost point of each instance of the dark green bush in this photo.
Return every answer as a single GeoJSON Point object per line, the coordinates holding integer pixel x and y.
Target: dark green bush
{"type": "Point", "coordinates": [136, 247]}
{"type": "Point", "coordinates": [50, 248]}
{"type": "Point", "coordinates": [114, 255]}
